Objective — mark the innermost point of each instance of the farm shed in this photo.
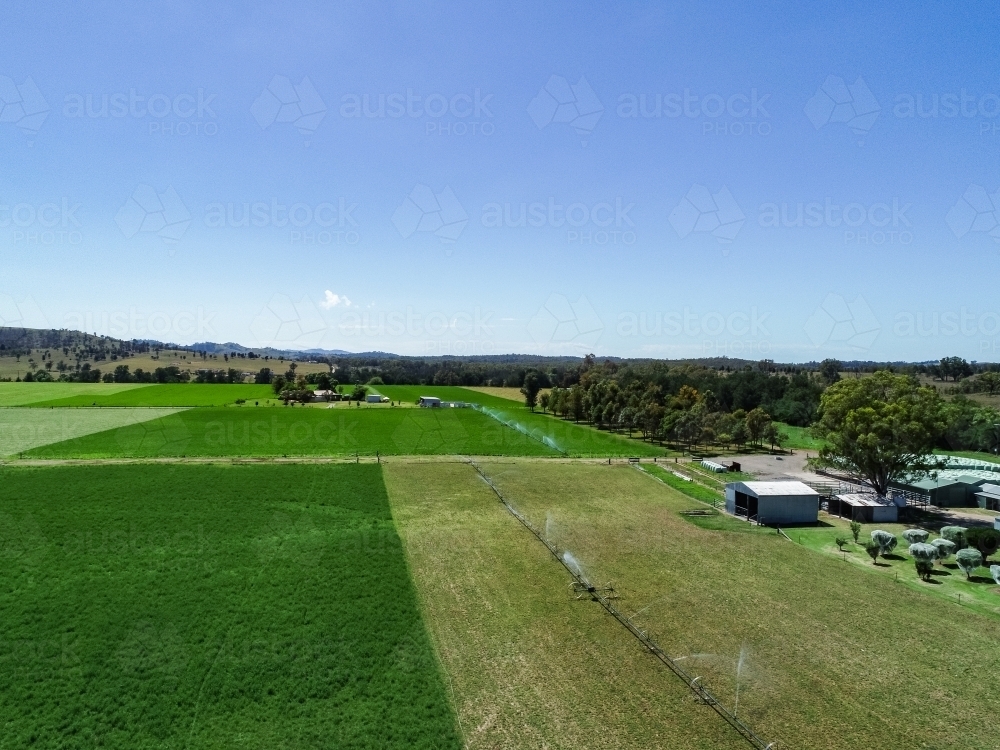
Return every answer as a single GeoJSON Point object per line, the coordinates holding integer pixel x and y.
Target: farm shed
{"type": "Point", "coordinates": [773, 502]}
{"type": "Point", "coordinates": [947, 491]}
{"type": "Point", "coordinates": [430, 402]}
{"type": "Point", "coordinates": [864, 507]}
{"type": "Point", "coordinates": [989, 497]}
{"type": "Point", "coordinates": [373, 398]}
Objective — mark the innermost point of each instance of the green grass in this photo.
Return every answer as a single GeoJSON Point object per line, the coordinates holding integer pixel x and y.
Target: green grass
{"type": "Point", "coordinates": [834, 655]}
{"type": "Point", "coordinates": [799, 438]}
{"type": "Point", "coordinates": [692, 489]}
{"type": "Point", "coordinates": [303, 432]}
{"type": "Point", "coordinates": [571, 438]}
{"type": "Point", "coordinates": [178, 394]}
{"type": "Point", "coordinates": [206, 606]}
{"type": "Point", "coordinates": [18, 394]}
{"type": "Point", "coordinates": [25, 428]}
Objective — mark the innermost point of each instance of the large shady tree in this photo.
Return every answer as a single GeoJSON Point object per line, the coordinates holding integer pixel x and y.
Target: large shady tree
{"type": "Point", "coordinates": [880, 429]}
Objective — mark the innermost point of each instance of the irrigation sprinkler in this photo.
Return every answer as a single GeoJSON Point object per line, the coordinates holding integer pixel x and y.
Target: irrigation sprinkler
{"type": "Point", "coordinates": [599, 595]}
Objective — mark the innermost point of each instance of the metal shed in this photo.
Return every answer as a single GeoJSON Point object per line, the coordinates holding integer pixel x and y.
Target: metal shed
{"type": "Point", "coordinates": [989, 496]}
{"type": "Point", "coordinates": [866, 508]}
{"type": "Point", "coordinates": [773, 502]}
{"type": "Point", "coordinates": [947, 491]}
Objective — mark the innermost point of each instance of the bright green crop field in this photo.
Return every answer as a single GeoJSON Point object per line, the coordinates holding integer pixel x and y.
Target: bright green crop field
{"type": "Point", "coordinates": [19, 394]}
{"type": "Point", "coordinates": [211, 606]}
{"type": "Point", "coordinates": [22, 429]}
{"type": "Point", "coordinates": [176, 394]}
{"type": "Point", "coordinates": [292, 431]}
{"type": "Point", "coordinates": [570, 438]}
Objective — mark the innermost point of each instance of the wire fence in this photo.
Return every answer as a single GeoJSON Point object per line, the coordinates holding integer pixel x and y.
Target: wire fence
{"type": "Point", "coordinates": [693, 682]}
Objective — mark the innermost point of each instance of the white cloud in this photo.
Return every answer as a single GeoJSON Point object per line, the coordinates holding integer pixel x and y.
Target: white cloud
{"type": "Point", "coordinates": [332, 300]}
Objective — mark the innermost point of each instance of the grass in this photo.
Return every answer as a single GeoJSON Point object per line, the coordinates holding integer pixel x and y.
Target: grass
{"type": "Point", "coordinates": [207, 606]}
{"type": "Point", "coordinates": [799, 438]}
{"type": "Point", "coordinates": [176, 394]}
{"type": "Point", "coordinates": [19, 394]}
{"type": "Point", "coordinates": [23, 429]}
{"type": "Point", "coordinates": [530, 666]}
{"type": "Point", "coordinates": [692, 489]}
{"type": "Point", "coordinates": [833, 654]}
{"type": "Point", "coordinates": [948, 580]}
{"type": "Point", "coordinates": [303, 432]}
{"type": "Point", "coordinates": [571, 438]}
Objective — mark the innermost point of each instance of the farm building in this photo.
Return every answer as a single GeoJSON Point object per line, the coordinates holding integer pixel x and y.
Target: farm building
{"type": "Point", "coordinates": [430, 402]}
{"type": "Point", "coordinates": [773, 502]}
{"type": "Point", "coordinates": [989, 497]}
{"type": "Point", "coordinates": [948, 490]}
{"type": "Point", "coordinates": [866, 508]}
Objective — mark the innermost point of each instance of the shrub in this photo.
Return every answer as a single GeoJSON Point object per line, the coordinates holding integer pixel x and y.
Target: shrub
{"type": "Point", "coordinates": [987, 541]}
{"type": "Point", "coordinates": [925, 552]}
{"type": "Point", "coordinates": [968, 560]}
{"type": "Point", "coordinates": [874, 549]}
{"type": "Point", "coordinates": [954, 534]}
{"type": "Point", "coordinates": [924, 569]}
{"type": "Point", "coordinates": [885, 540]}
{"type": "Point", "coordinates": [915, 536]}
{"type": "Point", "coordinates": [944, 547]}
{"type": "Point", "coordinates": [855, 530]}
{"type": "Point", "coordinates": [841, 541]}
{"type": "Point", "coordinates": [995, 572]}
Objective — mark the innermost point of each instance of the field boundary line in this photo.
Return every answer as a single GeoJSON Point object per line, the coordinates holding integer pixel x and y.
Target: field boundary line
{"type": "Point", "coordinates": [642, 636]}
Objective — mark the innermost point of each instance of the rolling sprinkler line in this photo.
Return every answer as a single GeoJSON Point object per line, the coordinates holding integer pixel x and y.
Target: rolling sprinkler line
{"type": "Point", "coordinates": [582, 584]}
{"type": "Point", "coordinates": [518, 428]}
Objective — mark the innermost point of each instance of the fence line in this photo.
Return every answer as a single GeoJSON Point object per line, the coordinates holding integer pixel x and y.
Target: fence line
{"type": "Point", "coordinates": [692, 682]}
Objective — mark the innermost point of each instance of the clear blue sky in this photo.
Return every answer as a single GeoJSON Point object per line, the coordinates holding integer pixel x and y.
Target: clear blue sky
{"type": "Point", "coordinates": [784, 180]}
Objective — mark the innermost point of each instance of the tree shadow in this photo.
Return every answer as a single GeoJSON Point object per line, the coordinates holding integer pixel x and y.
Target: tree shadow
{"type": "Point", "coordinates": [981, 579]}
{"type": "Point", "coordinates": [893, 557]}
{"type": "Point", "coordinates": [932, 581]}
{"type": "Point", "coordinates": [939, 572]}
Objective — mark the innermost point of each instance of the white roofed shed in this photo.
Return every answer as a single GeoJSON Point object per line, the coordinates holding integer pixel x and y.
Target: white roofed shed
{"type": "Point", "coordinates": [773, 503]}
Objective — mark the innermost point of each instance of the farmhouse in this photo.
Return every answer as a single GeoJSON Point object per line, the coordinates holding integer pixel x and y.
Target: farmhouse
{"type": "Point", "coordinates": [866, 508]}
{"type": "Point", "coordinates": [773, 502]}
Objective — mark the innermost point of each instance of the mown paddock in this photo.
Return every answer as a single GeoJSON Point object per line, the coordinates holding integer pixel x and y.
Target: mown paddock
{"type": "Point", "coordinates": [291, 431]}
{"type": "Point", "coordinates": [175, 606]}
{"type": "Point", "coordinates": [25, 428]}
{"type": "Point", "coordinates": [571, 438]}
{"type": "Point", "coordinates": [166, 394]}
{"type": "Point", "coordinates": [20, 394]}
{"type": "Point", "coordinates": [529, 665]}
{"type": "Point", "coordinates": [833, 656]}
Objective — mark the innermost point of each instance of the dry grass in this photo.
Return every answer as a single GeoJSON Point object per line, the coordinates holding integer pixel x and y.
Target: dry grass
{"type": "Point", "coordinates": [511, 394]}
{"type": "Point", "coordinates": [529, 666]}
{"type": "Point", "coordinates": [835, 656]}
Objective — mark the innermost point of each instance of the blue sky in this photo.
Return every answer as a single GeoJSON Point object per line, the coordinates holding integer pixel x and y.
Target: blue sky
{"type": "Point", "coordinates": [755, 180]}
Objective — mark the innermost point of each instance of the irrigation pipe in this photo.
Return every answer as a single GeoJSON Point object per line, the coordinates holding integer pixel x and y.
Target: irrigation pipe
{"type": "Point", "coordinates": [694, 683]}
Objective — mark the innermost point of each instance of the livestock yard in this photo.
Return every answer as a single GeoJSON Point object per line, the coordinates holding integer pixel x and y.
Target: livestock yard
{"type": "Point", "coordinates": [343, 575]}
